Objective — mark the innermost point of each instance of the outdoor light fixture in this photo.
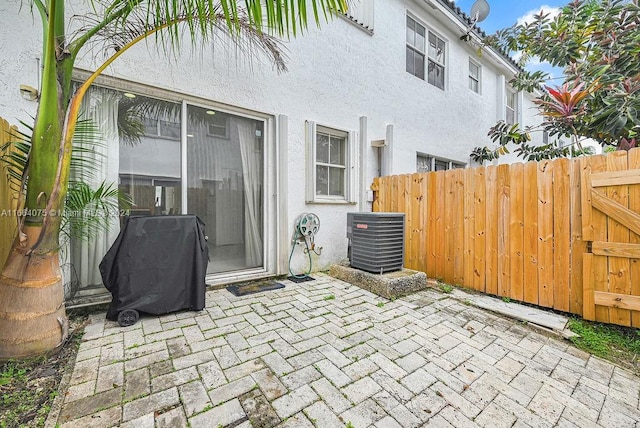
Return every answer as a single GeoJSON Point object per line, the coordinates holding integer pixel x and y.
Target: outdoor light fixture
{"type": "Point", "coordinates": [29, 93]}
{"type": "Point", "coordinates": [129, 95]}
{"type": "Point", "coordinates": [211, 112]}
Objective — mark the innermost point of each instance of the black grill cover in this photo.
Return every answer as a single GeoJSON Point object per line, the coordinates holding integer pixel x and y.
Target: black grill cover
{"type": "Point", "coordinates": [157, 265]}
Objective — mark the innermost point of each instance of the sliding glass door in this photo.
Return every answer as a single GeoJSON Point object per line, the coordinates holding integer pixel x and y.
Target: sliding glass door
{"type": "Point", "coordinates": [169, 157]}
{"type": "Point", "coordinates": [225, 185]}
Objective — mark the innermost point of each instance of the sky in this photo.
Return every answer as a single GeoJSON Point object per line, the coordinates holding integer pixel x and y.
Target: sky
{"type": "Point", "coordinates": [505, 13]}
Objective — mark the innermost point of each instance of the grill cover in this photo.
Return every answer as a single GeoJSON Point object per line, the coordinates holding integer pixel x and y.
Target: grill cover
{"type": "Point", "coordinates": [157, 265]}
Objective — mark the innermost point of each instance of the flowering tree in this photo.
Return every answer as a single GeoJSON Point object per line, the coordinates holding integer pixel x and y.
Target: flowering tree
{"type": "Point", "coordinates": [597, 43]}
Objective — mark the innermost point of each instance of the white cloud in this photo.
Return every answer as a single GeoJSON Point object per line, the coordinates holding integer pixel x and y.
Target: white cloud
{"type": "Point", "coordinates": [529, 16]}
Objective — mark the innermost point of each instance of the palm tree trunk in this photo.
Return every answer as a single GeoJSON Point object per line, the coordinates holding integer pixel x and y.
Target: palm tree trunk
{"type": "Point", "coordinates": [32, 313]}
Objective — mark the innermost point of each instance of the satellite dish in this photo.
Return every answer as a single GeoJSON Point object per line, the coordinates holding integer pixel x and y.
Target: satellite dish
{"type": "Point", "coordinates": [479, 11]}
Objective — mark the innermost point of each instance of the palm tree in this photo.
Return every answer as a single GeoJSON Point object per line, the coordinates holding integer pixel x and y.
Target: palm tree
{"type": "Point", "coordinates": [32, 313]}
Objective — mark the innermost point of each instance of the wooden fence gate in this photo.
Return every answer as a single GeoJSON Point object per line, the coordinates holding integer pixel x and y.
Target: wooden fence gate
{"type": "Point", "coordinates": [611, 222]}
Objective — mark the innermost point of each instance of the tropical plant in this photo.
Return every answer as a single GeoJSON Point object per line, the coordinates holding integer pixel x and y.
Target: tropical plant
{"type": "Point", "coordinates": [597, 44]}
{"type": "Point", "coordinates": [32, 313]}
{"type": "Point", "coordinates": [86, 208]}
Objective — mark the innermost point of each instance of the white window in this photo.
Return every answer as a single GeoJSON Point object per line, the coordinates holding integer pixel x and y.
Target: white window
{"type": "Point", "coordinates": [474, 76]}
{"type": "Point", "coordinates": [436, 61]}
{"type": "Point", "coordinates": [415, 48]}
{"type": "Point", "coordinates": [217, 124]}
{"type": "Point", "coordinates": [330, 164]}
{"type": "Point", "coordinates": [427, 163]}
{"type": "Point", "coordinates": [417, 52]}
{"type": "Point", "coordinates": [156, 127]}
{"type": "Point", "coordinates": [511, 107]}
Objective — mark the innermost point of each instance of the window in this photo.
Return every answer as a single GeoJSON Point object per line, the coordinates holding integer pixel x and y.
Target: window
{"type": "Point", "coordinates": [218, 125]}
{"type": "Point", "coordinates": [330, 162]}
{"type": "Point", "coordinates": [415, 48]}
{"type": "Point", "coordinates": [474, 77]}
{"type": "Point", "coordinates": [426, 163]}
{"type": "Point", "coordinates": [416, 38]}
{"type": "Point", "coordinates": [436, 61]}
{"type": "Point", "coordinates": [156, 127]}
{"type": "Point", "coordinates": [330, 156]}
{"type": "Point", "coordinates": [511, 107]}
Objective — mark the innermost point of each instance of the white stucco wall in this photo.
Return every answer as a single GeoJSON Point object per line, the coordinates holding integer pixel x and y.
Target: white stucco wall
{"type": "Point", "coordinates": [335, 76]}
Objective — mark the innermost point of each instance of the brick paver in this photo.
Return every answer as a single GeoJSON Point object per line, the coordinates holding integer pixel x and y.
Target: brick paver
{"type": "Point", "coordinates": [295, 358]}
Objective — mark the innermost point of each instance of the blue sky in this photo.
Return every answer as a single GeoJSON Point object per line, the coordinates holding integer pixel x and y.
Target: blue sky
{"type": "Point", "coordinates": [505, 13]}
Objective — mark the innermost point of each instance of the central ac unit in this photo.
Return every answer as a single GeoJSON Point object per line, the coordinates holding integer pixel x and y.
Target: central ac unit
{"type": "Point", "coordinates": [376, 241]}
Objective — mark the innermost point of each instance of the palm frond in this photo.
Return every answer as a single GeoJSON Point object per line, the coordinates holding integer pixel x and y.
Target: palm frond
{"type": "Point", "coordinates": [89, 212]}
{"type": "Point", "coordinates": [204, 21]}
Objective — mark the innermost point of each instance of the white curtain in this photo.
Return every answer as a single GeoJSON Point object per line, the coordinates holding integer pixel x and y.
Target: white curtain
{"type": "Point", "coordinates": [100, 106]}
{"type": "Point", "coordinates": [252, 178]}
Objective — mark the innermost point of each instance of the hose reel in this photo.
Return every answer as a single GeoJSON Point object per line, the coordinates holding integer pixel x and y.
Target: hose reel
{"type": "Point", "coordinates": [305, 228]}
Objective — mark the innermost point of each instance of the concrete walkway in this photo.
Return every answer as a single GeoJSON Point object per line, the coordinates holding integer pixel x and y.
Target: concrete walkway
{"type": "Point", "coordinates": [329, 354]}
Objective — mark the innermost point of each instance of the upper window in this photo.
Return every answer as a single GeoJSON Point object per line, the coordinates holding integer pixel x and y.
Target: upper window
{"type": "Point", "coordinates": [474, 77]}
{"type": "Point", "coordinates": [419, 51]}
{"type": "Point", "coordinates": [156, 127]}
{"type": "Point", "coordinates": [436, 60]}
{"type": "Point", "coordinates": [330, 164]}
{"type": "Point", "coordinates": [511, 107]}
{"type": "Point", "coordinates": [415, 48]}
{"type": "Point", "coordinates": [218, 124]}
{"type": "Point", "coordinates": [426, 163]}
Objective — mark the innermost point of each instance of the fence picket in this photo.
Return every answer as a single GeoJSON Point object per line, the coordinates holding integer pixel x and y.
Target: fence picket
{"type": "Point", "coordinates": [545, 234]}
{"type": "Point", "coordinates": [530, 232]}
{"type": "Point", "coordinates": [577, 245]}
{"type": "Point", "coordinates": [469, 226]}
{"type": "Point", "coordinates": [492, 230]}
{"type": "Point", "coordinates": [479, 256]}
{"type": "Point", "coordinates": [561, 235]}
{"type": "Point", "coordinates": [504, 220]}
{"type": "Point", "coordinates": [516, 231]}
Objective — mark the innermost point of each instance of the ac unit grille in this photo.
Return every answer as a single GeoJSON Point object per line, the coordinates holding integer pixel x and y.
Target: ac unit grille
{"type": "Point", "coordinates": [377, 241]}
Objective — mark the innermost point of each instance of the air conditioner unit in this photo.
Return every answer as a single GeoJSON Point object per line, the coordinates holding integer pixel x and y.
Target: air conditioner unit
{"type": "Point", "coordinates": [376, 241]}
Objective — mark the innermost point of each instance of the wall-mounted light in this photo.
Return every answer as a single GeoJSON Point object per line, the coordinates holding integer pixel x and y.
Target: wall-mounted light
{"type": "Point", "coordinates": [129, 95]}
{"type": "Point", "coordinates": [211, 112]}
{"type": "Point", "coordinates": [29, 93]}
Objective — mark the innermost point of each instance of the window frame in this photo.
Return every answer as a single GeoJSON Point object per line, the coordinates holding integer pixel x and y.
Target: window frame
{"type": "Point", "coordinates": [425, 52]}
{"type": "Point", "coordinates": [158, 126]}
{"type": "Point", "coordinates": [434, 160]}
{"type": "Point", "coordinates": [477, 79]}
{"type": "Point", "coordinates": [415, 49]}
{"type": "Point", "coordinates": [350, 162]}
{"type": "Point", "coordinates": [442, 63]}
{"type": "Point", "coordinates": [226, 118]}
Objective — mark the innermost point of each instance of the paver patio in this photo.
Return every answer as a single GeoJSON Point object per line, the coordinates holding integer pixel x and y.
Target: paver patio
{"type": "Point", "coordinates": [296, 357]}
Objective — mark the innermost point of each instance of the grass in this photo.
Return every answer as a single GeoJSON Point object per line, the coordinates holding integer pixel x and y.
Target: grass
{"type": "Point", "coordinates": [329, 297]}
{"type": "Point", "coordinates": [506, 299]}
{"type": "Point", "coordinates": [380, 304]}
{"type": "Point", "coordinates": [446, 288]}
{"type": "Point", "coordinates": [28, 386]}
{"type": "Point", "coordinates": [22, 400]}
{"type": "Point", "coordinates": [618, 344]}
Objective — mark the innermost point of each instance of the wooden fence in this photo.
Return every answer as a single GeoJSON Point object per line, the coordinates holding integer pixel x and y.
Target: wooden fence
{"type": "Point", "coordinates": [533, 232]}
{"type": "Point", "coordinates": [8, 198]}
